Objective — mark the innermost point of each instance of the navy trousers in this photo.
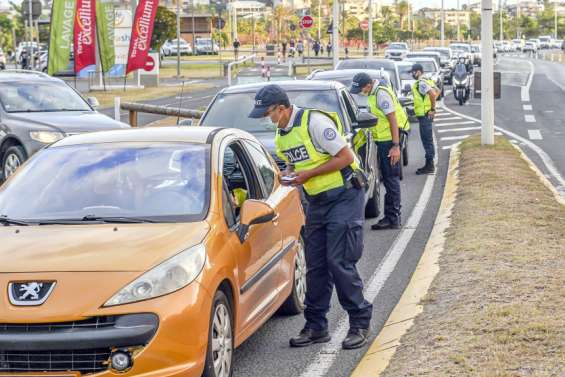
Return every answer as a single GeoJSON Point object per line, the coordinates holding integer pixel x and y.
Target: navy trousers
{"type": "Point", "coordinates": [334, 244]}
{"type": "Point", "coordinates": [427, 136]}
{"type": "Point", "coordinates": [391, 181]}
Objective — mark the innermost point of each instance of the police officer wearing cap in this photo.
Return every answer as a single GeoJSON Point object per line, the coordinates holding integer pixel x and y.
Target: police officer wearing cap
{"type": "Point", "coordinates": [391, 118]}
{"type": "Point", "coordinates": [425, 95]}
{"type": "Point", "coordinates": [312, 142]}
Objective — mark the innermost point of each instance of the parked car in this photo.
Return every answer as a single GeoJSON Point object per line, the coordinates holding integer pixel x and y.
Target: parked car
{"type": "Point", "coordinates": [518, 44]}
{"type": "Point", "coordinates": [545, 41]}
{"type": "Point", "coordinates": [537, 42]}
{"type": "Point", "coordinates": [170, 47]}
{"type": "Point", "coordinates": [3, 60]}
{"type": "Point", "coordinates": [477, 55]}
{"type": "Point", "coordinates": [28, 46]}
{"type": "Point", "coordinates": [68, 72]}
{"type": "Point", "coordinates": [431, 71]}
{"type": "Point", "coordinates": [397, 50]}
{"type": "Point", "coordinates": [530, 47]}
{"type": "Point", "coordinates": [447, 62]}
{"type": "Point", "coordinates": [231, 107]}
{"type": "Point", "coordinates": [37, 110]}
{"type": "Point", "coordinates": [144, 250]}
{"type": "Point", "coordinates": [345, 76]}
{"type": "Point", "coordinates": [205, 46]}
{"type": "Point", "coordinates": [387, 65]}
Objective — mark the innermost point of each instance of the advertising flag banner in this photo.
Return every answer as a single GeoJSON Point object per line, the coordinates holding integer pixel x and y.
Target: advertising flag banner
{"type": "Point", "coordinates": [105, 16]}
{"type": "Point", "coordinates": [61, 35]}
{"type": "Point", "coordinates": [141, 34]}
{"type": "Point", "coordinates": [84, 39]}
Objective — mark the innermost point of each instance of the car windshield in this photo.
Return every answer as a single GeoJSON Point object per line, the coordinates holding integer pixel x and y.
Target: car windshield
{"type": "Point", "coordinates": [397, 46]}
{"type": "Point", "coordinates": [429, 67]}
{"type": "Point", "coordinates": [443, 53]}
{"type": "Point", "coordinates": [154, 181]}
{"type": "Point", "coordinates": [22, 96]}
{"type": "Point", "coordinates": [405, 72]}
{"type": "Point", "coordinates": [232, 110]}
{"type": "Point", "coordinates": [460, 48]}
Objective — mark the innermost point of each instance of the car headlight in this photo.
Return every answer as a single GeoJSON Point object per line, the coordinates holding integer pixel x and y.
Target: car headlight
{"type": "Point", "coordinates": [46, 137]}
{"type": "Point", "coordinates": [170, 276]}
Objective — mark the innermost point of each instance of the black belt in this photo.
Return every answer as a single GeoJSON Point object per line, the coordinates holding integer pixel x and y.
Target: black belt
{"type": "Point", "coordinates": [329, 193]}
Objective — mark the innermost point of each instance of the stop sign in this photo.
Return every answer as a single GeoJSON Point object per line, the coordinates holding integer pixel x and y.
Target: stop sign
{"type": "Point", "coordinates": [364, 25]}
{"type": "Point", "coordinates": [306, 22]}
{"type": "Point", "coordinates": [149, 64]}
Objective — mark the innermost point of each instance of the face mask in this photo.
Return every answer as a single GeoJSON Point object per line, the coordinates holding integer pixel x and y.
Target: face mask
{"type": "Point", "coordinates": [415, 76]}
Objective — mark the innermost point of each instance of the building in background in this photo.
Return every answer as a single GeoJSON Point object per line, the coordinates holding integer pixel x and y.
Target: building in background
{"type": "Point", "coordinates": [245, 8]}
{"type": "Point", "coordinates": [452, 16]}
{"type": "Point", "coordinates": [529, 8]}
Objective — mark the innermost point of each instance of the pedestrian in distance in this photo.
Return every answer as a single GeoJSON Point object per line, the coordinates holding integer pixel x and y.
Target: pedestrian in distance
{"type": "Point", "coordinates": [236, 45]}
{"type": "Point", "coordinates": [319, 159]}
{"type": "Point", "coordinates": [283, 44]}
{"type": "Point", "coordinates": [329, 49]}
{"type": "Point", "coordinates": [392, 119]}
{"type": "Point", "coordinates": [316, 47]}
{"type": "Point", "coordinates": [300, 48]}
{"type": "Point", "coordinates": [425, 95]}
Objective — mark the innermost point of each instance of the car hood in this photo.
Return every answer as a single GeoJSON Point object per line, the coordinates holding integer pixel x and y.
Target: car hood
{"type": "Point", "coordinates": [101, 247]}
{"type": "Point", "coordinates": [68, 121]}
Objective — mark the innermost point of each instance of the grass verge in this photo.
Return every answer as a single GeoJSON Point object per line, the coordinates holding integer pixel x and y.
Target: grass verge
{"type": "Point", "coordinates": [106, 98]}
{"type": "Point", "coordinates": [496, 306]}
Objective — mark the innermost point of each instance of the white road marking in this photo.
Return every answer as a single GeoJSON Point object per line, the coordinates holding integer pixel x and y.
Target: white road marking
{"type": "Point", "coordinates": [527, 107]}
{"type": "Point", "coordinates": [535, 135]}
{"type": "Point", "coordinates": [525, 93]}
{"type": "Point", "coordinates": [448, 118]}
{"type": "Point", "coordinates": [449, 146]}
{"type": "Point", "coordinates": [447, 138]}
{"type": "Point", "coordinates": [452, 123]}
{"type": "Point", "coordinates": [529, 118]}
{"type": "Point", "coordinates": [558, 84]}
{"type": "Point", "coordinates": [459, 129]}
{"type": "Point", "coordinates": [547, 161]}
{"type": "Point", "coordinates": [325, 358]}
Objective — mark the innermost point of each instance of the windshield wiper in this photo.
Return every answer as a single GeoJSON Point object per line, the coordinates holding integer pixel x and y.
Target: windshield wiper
{"type": "Point", "coordinates": [117, 219]}
{"type": "Point", "coordinates": [5, 220]}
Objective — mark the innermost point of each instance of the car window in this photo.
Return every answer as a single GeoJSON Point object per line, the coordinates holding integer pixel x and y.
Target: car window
{"type": "Point", "coordinates": [263, 163]}
{"type": "Point", "coordinates": [22, 96]}
{"type": "Point", "coordinates": [351, 107]}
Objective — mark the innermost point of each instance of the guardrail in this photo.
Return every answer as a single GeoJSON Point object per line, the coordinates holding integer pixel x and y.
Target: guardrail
{"type": "Point", "coordinates": [135, 108]}
{"type": "Point", "coordinates": [250, 57]}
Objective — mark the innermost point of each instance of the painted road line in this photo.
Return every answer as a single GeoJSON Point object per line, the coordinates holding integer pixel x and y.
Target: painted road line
{"type": "Point", "coordinates": [545, 158]}
{"type": "Point", "coordinates": [325, 358]}
{"type": "Point", "coordinates": [452, 124]}
{"type": "Point", "coordinates": [459, 129]}
{"type": "Point", "coordinates": [525, 93]}
{"type": "Point", "coordinates": [529, 118]}
{"type": "Point", "coordinates": [535, 135]}
{"type": "Point", "coordinates": [527, 107]}
{"type": "Point", "coordinates": [558, 84]}
{"type": "Point", "coordinates": [447, 147]}
{"type": "Point", "coordinates": [449, 118]}
{"type": "Point", "coordinates": [447, 138]}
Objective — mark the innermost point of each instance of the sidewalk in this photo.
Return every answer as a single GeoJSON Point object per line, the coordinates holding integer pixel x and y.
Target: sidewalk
{"type": "Point", "coordinates": [495, 308]}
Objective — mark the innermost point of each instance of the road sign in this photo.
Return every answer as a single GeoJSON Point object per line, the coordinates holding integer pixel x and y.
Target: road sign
{"type": "Point", "coordinates": [306, 22]}
{"type": "Point", "coordinates": [220, 23]}
{"type": "Point", "coordinates": [364, 25]}
{"type": "Point", "coordinates": [35, 9]}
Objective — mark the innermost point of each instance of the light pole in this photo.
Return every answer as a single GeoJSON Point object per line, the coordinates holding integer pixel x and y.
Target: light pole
{"type": "Point", "coordinates": [370, 35]}
{"type": "Point", "coordinates": [320, 20]}
{"type": "Point", "coordinates": [555, 18]}
{"type": "Point", "coordinates": [178, 38]}
{"type": "Point", "coordinates": [501, 33]}
{"type": "Point", "coordinates": [442, 36]}
{"type": "Point", "coordinates": [335, 33]}
{"type": "Point", "coordinates": [487, 73]}
{"type": "Point", "coordinates": [458, 23]}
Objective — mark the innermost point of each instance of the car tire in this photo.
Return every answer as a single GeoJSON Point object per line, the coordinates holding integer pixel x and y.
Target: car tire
{"type": "Point", "coordinates": [12, 159]}
{"type": "Point", "coordinates": [294, 303]}
{"type": "Point", "coordinates": [221, 334]}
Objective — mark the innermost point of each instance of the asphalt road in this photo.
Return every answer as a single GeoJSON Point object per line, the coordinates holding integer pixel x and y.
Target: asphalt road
{"type": "Point", "coordinates": [530, 112]}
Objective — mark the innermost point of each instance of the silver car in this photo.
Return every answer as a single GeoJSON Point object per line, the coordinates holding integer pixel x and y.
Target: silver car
{"type": "Point", "coordinates": [37, 110]}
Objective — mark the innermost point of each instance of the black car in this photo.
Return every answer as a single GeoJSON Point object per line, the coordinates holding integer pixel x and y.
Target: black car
{"type": "Point", "coordinates": [231, 107]}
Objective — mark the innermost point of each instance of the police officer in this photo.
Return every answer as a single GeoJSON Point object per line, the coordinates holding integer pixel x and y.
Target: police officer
{"type": "Point", "coordinates": [425, 95]}
{"type": "Point", "coordinates": [323, 163]}
{"type": "Point", "coordinates": [391, 115]}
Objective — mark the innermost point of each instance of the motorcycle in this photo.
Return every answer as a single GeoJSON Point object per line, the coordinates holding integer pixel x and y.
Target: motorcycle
{"type": "Point", "coordinates": [461, 83]}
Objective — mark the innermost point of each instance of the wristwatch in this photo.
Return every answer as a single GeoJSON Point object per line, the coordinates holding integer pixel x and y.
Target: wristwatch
{"type": "Point", "coordinates": [396, 144]}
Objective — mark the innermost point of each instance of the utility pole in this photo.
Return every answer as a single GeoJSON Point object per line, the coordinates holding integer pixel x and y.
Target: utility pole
{"type": "Point", "coordinates": [487, 74]}
{"type": "Point", "coordinates": [500, 22]}
{"type": "Point", "coordinates": [320, 20]}
{"type": "Point", "coordinates": [442, 37]}
{"type": "Point", "coordinates": [32, 55]}
{"type": "Point", "coordinates": [458, 24]}
{"type": "Point", "coordinates": [555, 19]}
{"type": "Point", "coordinates": [370, 35]}
{"type": "Point", "coordinates": [335, 33]}
{"type": "Point", "coordinates": [178, 37]}
{"type": "Point", "coordinates": [192, 10]}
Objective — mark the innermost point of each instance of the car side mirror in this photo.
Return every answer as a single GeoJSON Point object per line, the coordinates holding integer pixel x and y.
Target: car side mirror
{"type": "Point", "coordinates": [93, 102]}
{"type": "Point", "coordinates": [253, 212]}
{"type": "Point", "coordinates": [365, 120]}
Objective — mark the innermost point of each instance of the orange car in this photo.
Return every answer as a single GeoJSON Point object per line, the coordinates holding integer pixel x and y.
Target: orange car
{"type": "Point", "coordinates": [148, 252]}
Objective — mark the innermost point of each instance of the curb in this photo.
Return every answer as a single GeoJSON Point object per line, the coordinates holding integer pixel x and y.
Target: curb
{"type": "Point", "coordinates": [381, 351]}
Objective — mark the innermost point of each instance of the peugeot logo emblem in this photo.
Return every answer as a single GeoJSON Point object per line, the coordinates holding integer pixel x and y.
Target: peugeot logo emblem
{"type": "Point", "coordinates": [29, 293]}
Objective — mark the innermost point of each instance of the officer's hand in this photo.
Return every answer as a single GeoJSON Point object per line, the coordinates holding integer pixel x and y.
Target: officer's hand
{"type": "Point", "coordinates": [301, 178]}
{"type": "Point", "coordinates": [394, 155]}
{"type": "Point", "coordinates": [431, 114]}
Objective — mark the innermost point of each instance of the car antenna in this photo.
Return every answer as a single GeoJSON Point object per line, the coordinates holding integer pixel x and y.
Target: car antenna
{"type": "Point", "coordinates": [180, 101]}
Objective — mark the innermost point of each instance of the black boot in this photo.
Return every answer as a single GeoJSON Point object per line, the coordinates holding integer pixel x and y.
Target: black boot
{"type": "Point", "coordinates": [429, 168]}
{"type": "Point", "coordinates": [308, 337]}
{"type": "Point", "coordinates": [356, 338]}
{"type": "Point", "coordinates": [385, 223]}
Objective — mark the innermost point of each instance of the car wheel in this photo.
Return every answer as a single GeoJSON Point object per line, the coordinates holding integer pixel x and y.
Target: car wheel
{"type": "Point", "coordinates": [13, 158]}
{"type": "Point", "coordinates": [219, 354]}
{"type": "Point", "coordinates": [294, 304]}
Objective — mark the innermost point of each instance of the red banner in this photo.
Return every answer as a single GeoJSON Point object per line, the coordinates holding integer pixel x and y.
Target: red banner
{"type": "Point", "coordinates": [141, 34]}
{"type": "Point", "coordinates": [84, 34]}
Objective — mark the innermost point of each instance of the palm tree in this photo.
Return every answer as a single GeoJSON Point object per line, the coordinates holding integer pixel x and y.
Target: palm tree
{"type": "Point", "coordinates": [402, 8]}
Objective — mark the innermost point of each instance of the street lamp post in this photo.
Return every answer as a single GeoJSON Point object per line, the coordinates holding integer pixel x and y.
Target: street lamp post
{"type": "Point", "coordinates": [178, 38]}
{"type": "Point", "coordinates": [501, 33]}
{"type": "Point", "coordinates": [555, 18]}
{"type": "Point", "coordinates": [320, 20]}
{"type": "Point", "coordinates": [487, 73]}
{"type": "Point", "coordinates": [442, 36]}
{"type": "Point", "coordinates": [335, 33]}
{"type": "Point", "coordinates": [370, 36]}
{"type": "Point", "coordinates": [458, 23]}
